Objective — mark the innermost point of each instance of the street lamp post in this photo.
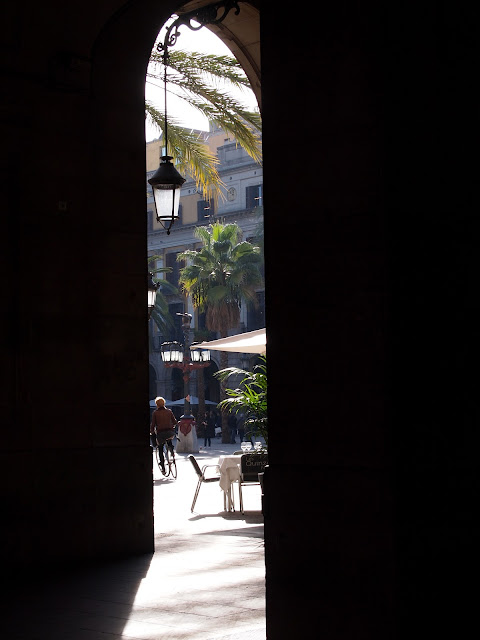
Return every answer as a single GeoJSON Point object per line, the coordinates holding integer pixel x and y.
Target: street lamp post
{"type": "Point", "coordinates": [152, 293]}
{"type": "Point", "coordinates": [180, 356]}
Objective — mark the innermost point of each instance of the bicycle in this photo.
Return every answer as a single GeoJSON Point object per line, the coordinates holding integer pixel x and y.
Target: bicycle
{"type": "Point", "coordinates": [170, 468]}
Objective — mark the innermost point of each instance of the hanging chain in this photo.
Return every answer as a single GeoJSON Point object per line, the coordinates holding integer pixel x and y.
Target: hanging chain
{"type": "Point", "coordinates": [165, 64]}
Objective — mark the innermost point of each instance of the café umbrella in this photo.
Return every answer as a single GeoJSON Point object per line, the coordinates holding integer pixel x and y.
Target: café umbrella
{"type": "Point", "coordinates": [178, 403]}
{"type": "Point", "coordinates": [192, 400]}
{"type": "Point", "coordinates": [249, 342]}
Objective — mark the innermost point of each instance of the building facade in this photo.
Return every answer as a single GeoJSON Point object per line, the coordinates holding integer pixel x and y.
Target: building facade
{"type": "Point", "coordinates": [240, 201]}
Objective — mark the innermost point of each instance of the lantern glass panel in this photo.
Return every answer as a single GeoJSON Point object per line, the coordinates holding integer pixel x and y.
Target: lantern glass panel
{"type": "Point", "coordinates": [166, 352]}
{"type": "Point", "coordinates": [177, 355]}
{"type": "Point", "coordinates": [152, 294]}
{"type": "Point", "coordinates": [167, 198]}
{"type": "Point", "coordinates": [172, 352]}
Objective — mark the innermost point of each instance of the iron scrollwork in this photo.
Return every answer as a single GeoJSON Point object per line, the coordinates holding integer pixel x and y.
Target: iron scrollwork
{"type": "Point", "coordinates": [211, 14]}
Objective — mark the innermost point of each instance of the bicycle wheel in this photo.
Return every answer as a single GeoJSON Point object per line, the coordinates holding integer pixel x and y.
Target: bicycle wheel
{"type": "Point", "coordinates": [170, 462]}
{"type": "Point", "coordinates": [173, 465]}
{"type": "Point", "coordinates": [157, 456]}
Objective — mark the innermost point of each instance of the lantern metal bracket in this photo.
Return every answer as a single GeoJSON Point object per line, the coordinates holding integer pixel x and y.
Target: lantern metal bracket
{"type": "Point", "coordinates": [153, 287]}
{"type": "Point", "coordinates": [214, 13]}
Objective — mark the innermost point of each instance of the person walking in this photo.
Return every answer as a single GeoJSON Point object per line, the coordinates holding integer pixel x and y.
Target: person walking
{"type": "Point", "coordinates": [163, 426]}
{"type": "Point", "coordinates": [209, 428]}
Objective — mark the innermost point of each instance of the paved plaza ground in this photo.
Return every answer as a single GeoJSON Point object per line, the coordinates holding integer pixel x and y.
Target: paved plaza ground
{"type": "Point", "coordinates": [205, 581]}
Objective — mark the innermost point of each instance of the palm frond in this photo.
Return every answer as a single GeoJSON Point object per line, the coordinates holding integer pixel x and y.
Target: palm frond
{"type": "Point", "coordinates": [190, 152]}
{"type": "Point", "coordinates": [244, 249]}
{"type": "Point", "coordinates": [214, 67]}
{"type": "Point", "coordinates": [198, 78]}
{"type": "Point", "coordinates": [235, 122]}
{"type": "Point", "coordinates": [202, 233]}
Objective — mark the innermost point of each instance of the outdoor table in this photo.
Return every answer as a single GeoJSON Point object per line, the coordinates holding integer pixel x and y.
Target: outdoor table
{"type": "Point", "coordinates": [229, 473]}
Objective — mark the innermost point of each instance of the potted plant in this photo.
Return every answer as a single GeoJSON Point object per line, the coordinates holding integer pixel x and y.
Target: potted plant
{"type": "Point", "coordinates": [250, 397]}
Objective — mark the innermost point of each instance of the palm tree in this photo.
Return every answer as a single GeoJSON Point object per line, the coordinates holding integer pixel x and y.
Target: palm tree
{"type": "Point", "coordinates": [195, 78]}
{"type": "Point", "coordinates": [219, 276]}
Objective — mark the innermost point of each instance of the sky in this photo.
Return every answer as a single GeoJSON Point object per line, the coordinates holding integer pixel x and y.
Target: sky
{"type": "Point", "coordinates": [203, 41]}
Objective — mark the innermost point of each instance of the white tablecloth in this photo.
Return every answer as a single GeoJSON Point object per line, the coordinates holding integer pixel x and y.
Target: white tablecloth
{"type": "Point", "coordinates": [229, 473]}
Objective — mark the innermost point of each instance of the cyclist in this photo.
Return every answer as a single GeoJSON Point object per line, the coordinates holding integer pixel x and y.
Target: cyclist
{"type": "Point", "coordinates": [163, 425]}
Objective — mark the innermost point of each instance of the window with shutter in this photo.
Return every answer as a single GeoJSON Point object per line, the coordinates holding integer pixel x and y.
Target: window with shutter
{"type": "Point", "coordinates": [256, 315]}
{"type": "Point", "coordinates": [205, 210]}
{"type": "Point", "coordinates": [254, 196]}
{"type": "Point", "coordinates": [173, 275]}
